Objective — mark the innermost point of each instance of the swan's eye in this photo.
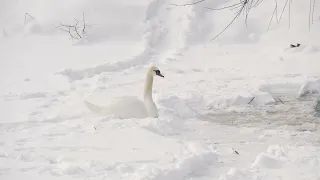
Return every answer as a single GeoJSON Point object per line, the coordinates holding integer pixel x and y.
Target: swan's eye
{"type": "Point", "coordinates": [158, 73]}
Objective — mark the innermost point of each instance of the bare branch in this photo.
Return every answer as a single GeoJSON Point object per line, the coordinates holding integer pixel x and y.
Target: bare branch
{"type": "Point", "coordinates": [290, 2]}
{"type": "Point", "coordinates": [239, 6]}
{"type": "Point", "coordinates": [257, 3]}
{"type": "Point", "coordinates": [285, 5]}
{"type": "Point", "coordinates": [314, 4]}
{"type": "Point", "coordinates": [73, 30]}
{"type": "Point", "coordinates": [25, 17]}
{"type": "Point", "coordinates": [245, 7]}
{"type": "Point", "coordinates": [68, 30]}
{"type": "Point", "coordinates": [274, 11]}
{"type": "Point", "coordinates": [310, 15]}
{"type": "Point", "coordinates": [237, 15]}
{"type": "Point", "coordinates": [84, 23]}
{"type": "Point", "coordinates": [277, 11]}
{"type": "Point", "coordinates": [189, 4]}
{"type": "Point", "coordinates": [240, 3]}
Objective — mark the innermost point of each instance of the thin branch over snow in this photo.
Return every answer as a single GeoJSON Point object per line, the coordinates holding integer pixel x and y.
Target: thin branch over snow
{"type": "Point", "coordinates": [188, 4]}
{"type": "Point", "coordinates": [274, 12]}
{"type": "Point", "coordinates": [237, 15]}
{"type": "Point", "coordinates": [26, 15]}
{"type": "Point", "coordinates": [74, 30]}
{"type": "Point", "coordinates": [245, 7]}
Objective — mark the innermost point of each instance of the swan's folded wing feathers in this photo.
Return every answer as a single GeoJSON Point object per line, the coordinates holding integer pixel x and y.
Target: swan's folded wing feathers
{"type": "Point", "coordinates": [128, 107]}
{"type": "Point", "coordinates": [123, 107]}
{"type": "Point", "coordinates": [93, 107]}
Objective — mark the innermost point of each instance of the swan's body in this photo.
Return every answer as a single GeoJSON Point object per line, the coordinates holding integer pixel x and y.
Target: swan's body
{"type": "Point", "coordinates": [129, 106]}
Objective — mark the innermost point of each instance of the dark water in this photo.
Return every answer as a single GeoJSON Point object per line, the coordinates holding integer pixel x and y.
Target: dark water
{"type": "Point", "coordinates": [301, 113]}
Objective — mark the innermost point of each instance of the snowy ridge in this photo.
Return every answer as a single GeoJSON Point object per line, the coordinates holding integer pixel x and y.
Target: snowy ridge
{"type": "Point", "coordinates": [190, 165]}
{"type": "Point", "coordinates": [278, 160]}
{"type": "Point", "coordinates": [163, 40]}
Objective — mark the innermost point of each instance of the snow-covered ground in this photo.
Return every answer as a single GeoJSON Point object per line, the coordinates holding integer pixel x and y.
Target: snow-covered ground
{"type": "Point", "coordinates": [238, 108]}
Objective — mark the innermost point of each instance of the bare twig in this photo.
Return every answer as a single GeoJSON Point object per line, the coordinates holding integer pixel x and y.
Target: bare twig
{"type": "Point", "coordinates": [285, 5]}
{"type": "Point", "coordinates": [67, 29]}
{"type": "Point", "coordinates": [276, 1]}
{"type": "Point", "coordinates": [274, 11]}
{"type": "Point", "coordinates": [314, 4]}
{"type": "Point", "coordinates": [73, 30]}
{"type": "Point", "coordinates": [25, 17]}
{"type": "Point", "coordinates": [310, 14]}
{"type": "Point", "coordinates": [237, 15]}
{"type": "Point", "coordinates": [280, 100]}
{"type": "Point", "coordinates": [237, 4]}
{"type": "Point", "coordinates": [251, 100]}
{"type": "Point", "coordinates": [245, 7]}
{"type": "Point", "coordinates": [189, 4]}
{"type": "Point", "coordinates": [84, 23]}
{"type": "Point", "coordinates": [290, 2]}
{"type": "Point", "coordinates": [257, 3]}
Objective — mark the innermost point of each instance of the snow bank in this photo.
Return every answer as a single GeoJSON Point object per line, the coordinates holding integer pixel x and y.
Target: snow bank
{"type": "Point", "coordinates": [177, 106]}
{"type": "Point", "coordinates": [310, 87]}
{"type": "Point", "coordinates": [236, 174]}
{"type": "Point", "coordinates": [166, 126]}
{"type": "Point", "coordinates": [195, 163]}
{"type": "Point", "coordinates": [242, 99]}
{"type": "Point", "coordinates": [288, 162]}
{"type": "Point", "coordinates": [272, 159]}
{"type": "Point", "coordinates": [256, 99]}
{"type": "Point", "coordinates": [174, 113]}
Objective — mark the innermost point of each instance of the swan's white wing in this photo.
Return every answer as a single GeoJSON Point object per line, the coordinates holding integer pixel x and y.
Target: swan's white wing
{"type": "Point", "coordinates": [97, 109]}
{"type": "Point", "coordinates": [124, 107]}
{"type": "Point", "coordinates": [128, 107]}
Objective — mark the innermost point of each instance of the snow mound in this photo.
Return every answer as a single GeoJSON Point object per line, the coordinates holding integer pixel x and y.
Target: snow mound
{"type": "Point", "coordinates": [311, 49]}
{"type": "Point", "coordinates": [255, 99]}
{"type": "Point", "coordinates": [310, 87]}
{"type": "Point", "coordinates": [267, 161]}
{"type": "Point", "coordinates": [174, 113]}
{"type": "Point", "coordinates": [273, 158]}
{"type": "Point", "coordinates": [291, 162]}
{"type": "Point", "coordinates": [278, 89]}
{"type": "Point", "coordinates": [79, 74]}
{"type": "Point", "coordinates": [166, 126]}
{"type": "Point", "coordinates": [193, 164]}
{"type": "Point", "coordinates": [236, 174]}
{"type": "Point", "coordinates": [287, 162]}
{"type": "Point", "coordinates": [177, 107]}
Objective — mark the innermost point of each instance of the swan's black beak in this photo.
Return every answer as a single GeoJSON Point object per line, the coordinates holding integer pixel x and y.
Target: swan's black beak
{"type": "Point", "coordinates": [158, 73]}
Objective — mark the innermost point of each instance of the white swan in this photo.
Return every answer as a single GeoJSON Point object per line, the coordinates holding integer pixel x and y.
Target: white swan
{"type": "Point", "coordinates": [129, 106]}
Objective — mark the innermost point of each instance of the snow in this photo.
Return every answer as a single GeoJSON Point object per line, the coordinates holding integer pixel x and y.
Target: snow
{"type": "Point", "coordinates": [244, 106]}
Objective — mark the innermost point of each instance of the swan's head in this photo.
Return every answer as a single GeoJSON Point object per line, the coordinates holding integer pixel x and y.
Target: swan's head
{"type": "Point", "coordinates": [154, 71]}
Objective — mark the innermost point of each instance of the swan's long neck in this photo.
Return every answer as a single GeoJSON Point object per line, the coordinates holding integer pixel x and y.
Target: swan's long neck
{"type": "Point", "coordinates": [148, 101]}
{"type": "Point", "coordinates": [148, 87]}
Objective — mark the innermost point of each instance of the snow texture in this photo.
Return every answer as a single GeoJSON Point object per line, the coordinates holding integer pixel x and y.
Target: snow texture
{"type": "Point", "coordinates": [244, 106]}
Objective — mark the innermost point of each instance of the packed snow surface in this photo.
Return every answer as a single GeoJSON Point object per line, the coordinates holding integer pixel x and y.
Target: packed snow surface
{"type": "Point", "coordinates": [242, 107]}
